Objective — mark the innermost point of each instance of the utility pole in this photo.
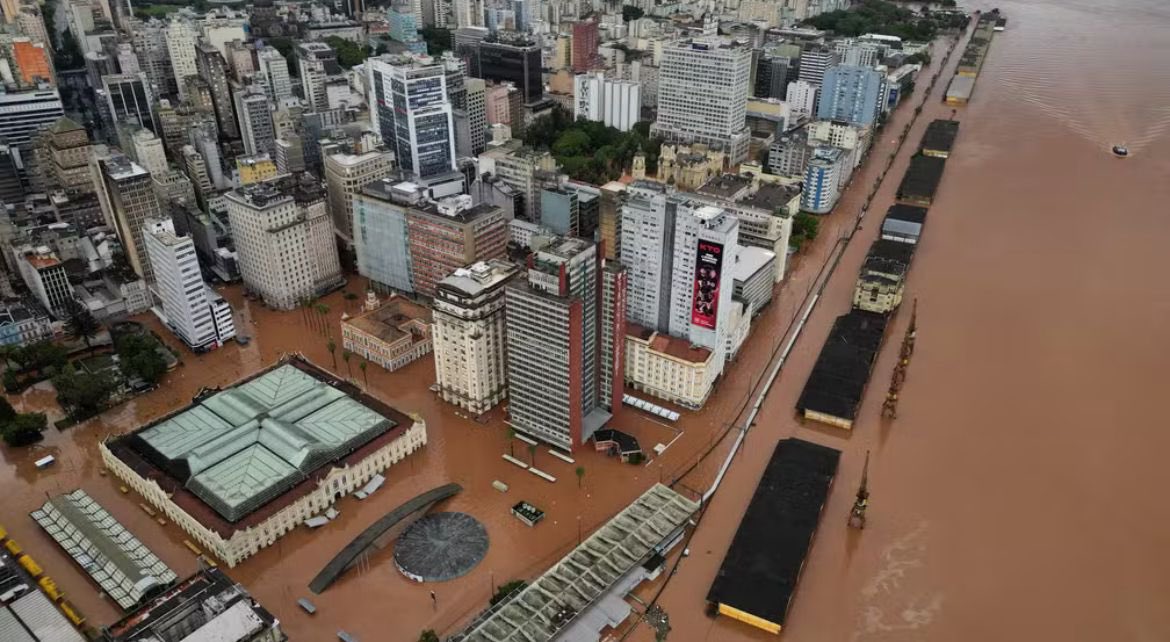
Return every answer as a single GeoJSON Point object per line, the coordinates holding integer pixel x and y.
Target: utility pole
{"type": "Point", "coordinates": [861, 503]}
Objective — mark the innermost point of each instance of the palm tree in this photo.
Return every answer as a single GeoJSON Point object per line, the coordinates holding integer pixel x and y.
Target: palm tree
{"type": "Point", "coordinates": [323, 311]}
{"type": "Point", "coordinates": [345, 354]}
{"type": "Point", "coordinates": [511, 441]}
{"type": "Point", "coordinates": [332, 347]}
{"type": "Point", "coordinates": [580, 475]}
{"type": "Point", "coordinates": [532, 455]}
{"type": "Point", "coordinates": [79, 322]}
{"type": "Point", "coordinates": [362, 366]}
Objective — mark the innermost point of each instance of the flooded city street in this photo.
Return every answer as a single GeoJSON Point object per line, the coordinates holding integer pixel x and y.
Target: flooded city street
{"type": "Point", "coordinates": [1017, 496]}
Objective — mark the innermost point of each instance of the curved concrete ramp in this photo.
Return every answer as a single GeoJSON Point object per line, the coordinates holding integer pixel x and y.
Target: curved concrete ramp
{"type": "Point", "coordinates": [350, 553]}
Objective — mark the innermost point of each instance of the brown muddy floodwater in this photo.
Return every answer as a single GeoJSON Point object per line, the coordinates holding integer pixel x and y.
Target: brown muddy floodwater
{"type": "Point", "coordinates": [1020, 494]}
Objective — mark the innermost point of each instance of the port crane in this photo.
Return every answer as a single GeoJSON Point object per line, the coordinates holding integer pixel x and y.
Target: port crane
{"type": "Point", "coordinates": [890, 405]}
{"type": "Point", "coordinates": [861, 502]}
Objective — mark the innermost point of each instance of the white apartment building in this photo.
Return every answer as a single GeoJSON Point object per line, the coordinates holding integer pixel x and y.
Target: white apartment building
{"type": "Point", "coordinates": [827, 171]}
{"type": "Point", "coordinates": [854, 139]}
{"type": "Point", "coordinates": [255, 115]}
{"type": "Point", "coordinates": [801, 97]}
{"type": "Point", "coordinates": [468, 335]}
{"type": "Point", "coordinates": [317, 62]}
{"type": "Point", "coordinates": [149, 152]}
{"type": "Point", "coordinates": [702, 95]}
{"type": "Point", "coordinates": [705, 249]}
{"type": "Point", "coordinates": [273, 74]}
{"type": "Point", "coordinates": [284, 239]}
{"type": "Point", "coordinates": [345, 176]}
{"type": "Point", "coordinates": [646, 243]}
{"type": "Point", "coordinates": [617, 103]}
{"type": "Point", "coordinates": [669, 368]}
{"type": "Point", "coordinates": [182, 294]}
{"type": "Point", "coordinates": [181, 39]}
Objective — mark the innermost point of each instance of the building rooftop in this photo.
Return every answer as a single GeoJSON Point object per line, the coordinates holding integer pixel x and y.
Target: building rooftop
{"type": "Point", "coordinates": [751, 260]}
{"type": "Point", "coordinates": [680, 349]}
{"type": "Point", "coordinates": [479, 277]}
{"type": "Point", "coordinates": [393, 320]}
{"type": "Point", "coordinates": [908, 213]}
{"type": "Point", "coordinates": [842, 369]}
{"type": "Point", "coordinates": [29, 617]}
{"type": "Point", "coordinates": [119, 167]}
{"type": "Point", "coordinates": [239, 455]}
{"type": "Point", "coordinates": [727, 186]}
{"type": "Point", "coordinates": [120, 564]}
{"type": "Point", "coordinates": [759, 574]}
{"type": "Point", "coordinates": [772, 197]}
{"type": "Point", "coordinates": [206, 607]}
{"type": "Point", "coordinates": [922, 177]}
{"type": "Point", "coordinates": [555, 599]}
{"type": "Point", "coordinates": [940, 135]}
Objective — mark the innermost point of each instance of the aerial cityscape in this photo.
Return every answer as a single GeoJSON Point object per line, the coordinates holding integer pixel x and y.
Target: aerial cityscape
{"type": "Point", "coordinates": [555, 320]}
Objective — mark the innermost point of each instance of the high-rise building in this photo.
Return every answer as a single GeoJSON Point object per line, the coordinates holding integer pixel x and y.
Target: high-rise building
{"type": "Point", "coordinates": [128, 199]}
{"type": "Point", "coordinates": [240, 57]}
{"type": "Point", "coordinates": [609, 217]}
{"type": "Point", "coordinates": [814, 62]}
{"type": "Point", "coordinates": [702, 95]}
{"type": "Point", "coordinates": [802, 98]}
{"type": "Point", "coordinates": [409, 96]}
{"type": "Point", "coordinates": [451, 233]}
{"type": "Point", "coordinates": [182, 38]}
{"type": "Point", "coordinates": [23, 113]}
{"type": "Point", "coordinates": [789, 154]}
{"type": "Point", "coordinates": [317, 62]}
{"type": "Point", "coordinates": [826, 169]}
{"type": "Point", "coordinates": [647, 253]}
{"type": "Point", "coordinates": [617, 103]}
{"type": "Point", "coordinates": [853, 94]}
{"type": "Point", "coordinates": [150, 43]}
{"type": "Point", "coordinates": [200, 321]}
{"type": "Point", "coordinates": [213, 69]}
{"type": "Point", "coordinates": [705, 248]}
{"type": "Point", "coordinates": [468, 335]}
{"type": "Point", "coordinates": [147, 150]}
{"type": "Point", "coordinates": [771, 77]}
{"type": "Point", "coordinates": [64, 161]}
{"type": "Point", "coordinates": [346, 175]}
{"type": "Point", "coordinates": [380, 233]}
{"type": "Point", "coordinates": [468, 13]}
{"type": "Point", "coordinates": [127, 98]}
{"type": "Point", "coordinates": [476, 90]}
{"type": "Point", "coordinates": [558, 325]}
{"type": "Point", "coordinates": [285, 240]}
{"type": "Point", "coordinates": [46, 277]}
{"type": "Point", "coordinates": [585, 41]}
{"type": "Point", "coordinates": [517, 62]}
{"type": "Point", "coordinates": [255, 114]}
{"type": "Point", "coordinates": [272, 72]}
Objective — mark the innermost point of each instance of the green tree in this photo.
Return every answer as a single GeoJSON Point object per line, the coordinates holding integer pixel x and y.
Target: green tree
{"type": "Point", "coordinates": [80, 324]}
{"type": "Point", "coordinates": [532, 455]}
{"type": "Point", "coordinates": [138, 356]}
{"type": "Point", "coordinates": [630, 12]}
{"type": "Point", "coordinates": [507, 589]}
{"type": "Point", "coordinates": [332, 347]}
{"type": "Point", "coordinates": [83, 394]}
{"type": "Point", "coordinates": [428, 635]}
{"type": "Point", "coordinates": [68, 55]}
{"type": "Point", "coordinates": [24, 428]}
{"type": "Point", "coordinates": [580, 475]}
{"type": "Point", "coordinates": [438, 39]}
{"type": "Point", "coordinates": [349, 297]}
{"type": "Point", "coordinates": [345, 355]}
{"type": "Point", "coordinates": [365, 375]}
{"type": "Point", "coordinates": [287, 48]}
{"type": "Point", "coordinates": [323, 312]}
{"type": "Point", "coordinates": [349, 53]}
{"type": "Point", "coordinates": [804, 228]}
{"type": "Point", "coordinates": [7, 413]}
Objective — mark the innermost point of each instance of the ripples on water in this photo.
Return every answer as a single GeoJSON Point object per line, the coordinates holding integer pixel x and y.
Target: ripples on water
{"type": "Point", "coordinates": [1098, 68]}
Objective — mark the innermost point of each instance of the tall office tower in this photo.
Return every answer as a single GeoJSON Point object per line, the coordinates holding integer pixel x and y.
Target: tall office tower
{"type": "Point", "coordinates": [609, 219]}
{"type": "Point", "coordinates": [772, 77]}
{"type": "Point", "coordinates": [468, 13]}
{"type": "Point", "coordinates": [585, 41]}
{"type": "Point", "coordinates": [517, 62]}
{"type": "Point", "coordinates": [802, 98]}
{"type": "Point", "coordinates": [466, 41]}
{"type": "Point", "coordinates": [256, 129]}
{"type": "Point", "coordinates": [272, 72]}
{"type": "Point", "coordinates": [316, 62]}
{"type": "Point", "coordinates": [24, 113]}
{"type": "Point", "coordinates": [853, 94]}
{"type": "Point", "coordinates": [380, 233]}
{"type": "Point", "coordinates": [44, 273]}
{"type": "Point", "coordinates": [446, 235]}
{"type": "Point", "coordinates": [213, 69]}
{"type": "Point", "coordinates": [127, 197]}
{"type": "Point", "coordinates": [647, 253]}
{"type": "Point", "coordinates": [826, 169]}
{"type": "Point", "coordinates": [195, 167]}
{"type": "Point", "coordinates": [127, 98]}
{"type": "Point", "coordinates": [413, 113]}
{"type": "Point", "coordinates": [290, 154]}
{"type": "Point", "coordinates": [522, 15]}
{"type": "Point", "coordinates": [150, 43]}
{"type": "Point", "coordinates": [814, 62]}
{"type": "Point", "coordinates": [64, 160]}
{"type": "Point", "coordinates": [468, 335]}
{"type": "Point", "coordinates": [706, 248]}
{"type": "Point", "coordinates": [240, 59]}
{"type": "Point", "coordinates": [200, 321]}
{"type": "Point", "coordinates": [182, 38]}
{"type": "Point", "coordinates": [554, 335]}
{"type": "Point", "coordinates": [346, 175]}
{"type": "Point", "coordinates": [284, 240]}
{"type": "Point", "coordinates": [147, 150]}
{"type": "Point", "coordinates": [455, 71]}
{"type": "Point", "coordinates": [617, 103]}
{"type": "Point", "coordinates": [702, 95]}
{"type": "Point", "coordinates": [476, 114]}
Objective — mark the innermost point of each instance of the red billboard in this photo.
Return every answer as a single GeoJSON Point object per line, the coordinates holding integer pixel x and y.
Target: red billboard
{"type": "Point", "coordinates": [708, 266]}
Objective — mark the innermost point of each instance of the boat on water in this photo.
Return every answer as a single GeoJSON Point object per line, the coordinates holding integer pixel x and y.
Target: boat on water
{"type": "Point", "coordinates": [1120, 151]}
